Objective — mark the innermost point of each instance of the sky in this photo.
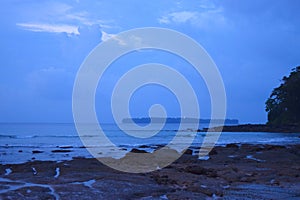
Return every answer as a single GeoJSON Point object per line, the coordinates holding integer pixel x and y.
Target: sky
{"type": "Point", "coordinates": [254, 43]}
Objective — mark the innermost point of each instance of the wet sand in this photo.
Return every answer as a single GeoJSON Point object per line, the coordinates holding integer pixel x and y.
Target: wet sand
{"type": "Point", "coordinates": [231, 172]}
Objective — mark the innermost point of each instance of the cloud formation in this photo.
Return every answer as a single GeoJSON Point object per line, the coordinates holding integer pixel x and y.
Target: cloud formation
{"type": "Point", "coordinates": [206, 17]}
{"type": "Point", "coordinates": [52, 28]}
{"type": "Point", "coordinates": [178, 17]}
{"type": "Point", "coordinates": [56, 17]}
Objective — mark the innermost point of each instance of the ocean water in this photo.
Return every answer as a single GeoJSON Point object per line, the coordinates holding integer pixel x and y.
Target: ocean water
{"type": "Point", "coordinates": [19, 140]}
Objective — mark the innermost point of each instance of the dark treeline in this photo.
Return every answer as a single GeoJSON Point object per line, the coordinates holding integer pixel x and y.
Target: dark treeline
{"type": "Point", "coordinates": [283, 105]}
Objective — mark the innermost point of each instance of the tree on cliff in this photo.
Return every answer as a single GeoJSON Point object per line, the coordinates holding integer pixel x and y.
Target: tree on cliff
{"type": "Point", "coordinates": [283, 105]}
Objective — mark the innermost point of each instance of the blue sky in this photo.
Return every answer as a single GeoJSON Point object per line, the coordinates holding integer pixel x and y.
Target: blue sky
{"type": "Point", "coordinates": [43, 43]}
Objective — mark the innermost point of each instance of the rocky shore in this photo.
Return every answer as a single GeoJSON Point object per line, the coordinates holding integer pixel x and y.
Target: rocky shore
{"type": "Point", "coordinates": [231, 172]}
{"type": "Point", "coordinates": [255, 128]}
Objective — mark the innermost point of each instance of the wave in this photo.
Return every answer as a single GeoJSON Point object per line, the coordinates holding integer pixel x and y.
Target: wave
{"type": "Point", "coordinates": [64, 136]}
{"type": "Point", "coordinates": [43, 146]}
{"type": "Point", "coordinates": [40, 136]}
{"type": "Point", "coordinates": [18, 136]}
{"type": "Point", "coordinates": [26, 146]}
{"type": "Point", "coordinates": [280, 140]}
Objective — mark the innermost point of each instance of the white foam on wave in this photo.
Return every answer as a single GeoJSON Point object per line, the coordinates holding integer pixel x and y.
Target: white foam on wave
{"type": "Point", "coordinates": [250, 157]}
{"type": "Point", "coordinates": [88, 183]}
{"type": "Point", "coordinates": [34, 171]}
{"type": "Point", "coordinates": [280, 140]}
{"type": "Point", "coordinates": [204, 157]}
{"type": "Point", "coordinates": [57, 172]}
{"type": "Point", "coordinates": [8, 171]}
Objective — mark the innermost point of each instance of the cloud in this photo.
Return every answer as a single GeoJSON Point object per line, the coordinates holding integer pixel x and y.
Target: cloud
{"type": "Point", "coordinates": [178, 17]}
{"type": "Point", "coordinates": [106, 36]}
{"type": "Point", "coordinates": [205, 17]}
{"type": "Point", "coordinates": [52, 28]}
{"type": "Point", "coordinates": [56, 17]}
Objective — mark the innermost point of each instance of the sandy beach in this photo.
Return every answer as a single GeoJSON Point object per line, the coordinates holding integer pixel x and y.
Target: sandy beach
{"type": "Point", "coordinates": [232, 172]}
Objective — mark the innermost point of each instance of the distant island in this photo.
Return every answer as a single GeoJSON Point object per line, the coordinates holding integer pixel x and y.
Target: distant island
{"type": "Point", "coordinates": [174, 120]}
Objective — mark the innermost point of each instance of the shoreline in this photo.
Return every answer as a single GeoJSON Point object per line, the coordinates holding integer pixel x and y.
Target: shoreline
{"type": "Point", "coordinates": [254, 128]}
{"type": "Point", "coordinates": [66, 151]}
{"type": "Point", "coordinates": [233, 171]}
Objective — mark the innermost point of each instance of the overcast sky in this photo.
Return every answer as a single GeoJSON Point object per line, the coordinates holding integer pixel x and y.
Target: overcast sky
{"type": "Point", "coordinates": [43, 43]}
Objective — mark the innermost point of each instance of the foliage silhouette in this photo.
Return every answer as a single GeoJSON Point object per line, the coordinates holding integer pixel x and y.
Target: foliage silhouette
{"type": "Point", "coordinates": [283, 105]}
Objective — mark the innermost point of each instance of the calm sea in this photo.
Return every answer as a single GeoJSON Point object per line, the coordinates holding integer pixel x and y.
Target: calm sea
{"type": "Point", "coordinates": [19, 140]}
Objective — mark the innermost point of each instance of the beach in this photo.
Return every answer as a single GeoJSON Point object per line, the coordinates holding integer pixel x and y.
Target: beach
{"type": "Point", "coordinates": [150, 100]}
{"type": "Point", "coordinates": [234, 171]}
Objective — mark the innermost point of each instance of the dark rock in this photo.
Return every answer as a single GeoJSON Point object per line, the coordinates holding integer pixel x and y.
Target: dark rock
{"type": "Point", "coordinates": [188, 152]}
{"type": "Point", "coordinates": [235, 169]}
{"type": "Point", "coordinates": [257, 149]}
{"type": "Point", "coordinates": [207, 190]}
{"type": "Point", "coordinates": [144, 146]}
{"type": "Point", "coordinates": [274, 182]}
{"type": "Point", "coordinates": [232, 146]}
{"type": "Point", "coordinates": [164, 180]}
{"type": "Point", "coordinates": [134, 150]}
{"type": "Point", "coordinates": [201, 171]}
{"type": "Point", "coordinates": [274, 147]}
{"type": "Point", "coordinates": [78, 158]}
{"type": "Point", "coordinates": [34, 192]}
{"type": "Point", "coordinates": [187, 178]}
{"type": "Point", "coordinates": [61, 151]}
{"type": "Point", "coordinates": [37, 151]}
{"type": "Point", "coordinates": [213, 152]}
{"type": "Point", "coordinates": [245, 179]}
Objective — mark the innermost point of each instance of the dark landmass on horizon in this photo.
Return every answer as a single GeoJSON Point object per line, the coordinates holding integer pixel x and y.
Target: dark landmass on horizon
{"type": "Point", "coordinates": [175, 120]}
{"type": "Point", "coordinates": [230, 125]}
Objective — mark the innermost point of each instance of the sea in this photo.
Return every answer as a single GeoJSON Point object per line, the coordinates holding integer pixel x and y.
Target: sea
{"type": "Point", "coordinates": [23, 142]}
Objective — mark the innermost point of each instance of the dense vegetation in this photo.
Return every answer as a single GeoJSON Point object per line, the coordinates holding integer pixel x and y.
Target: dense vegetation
{"type": "Point", "coordinates": [283, 105]}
